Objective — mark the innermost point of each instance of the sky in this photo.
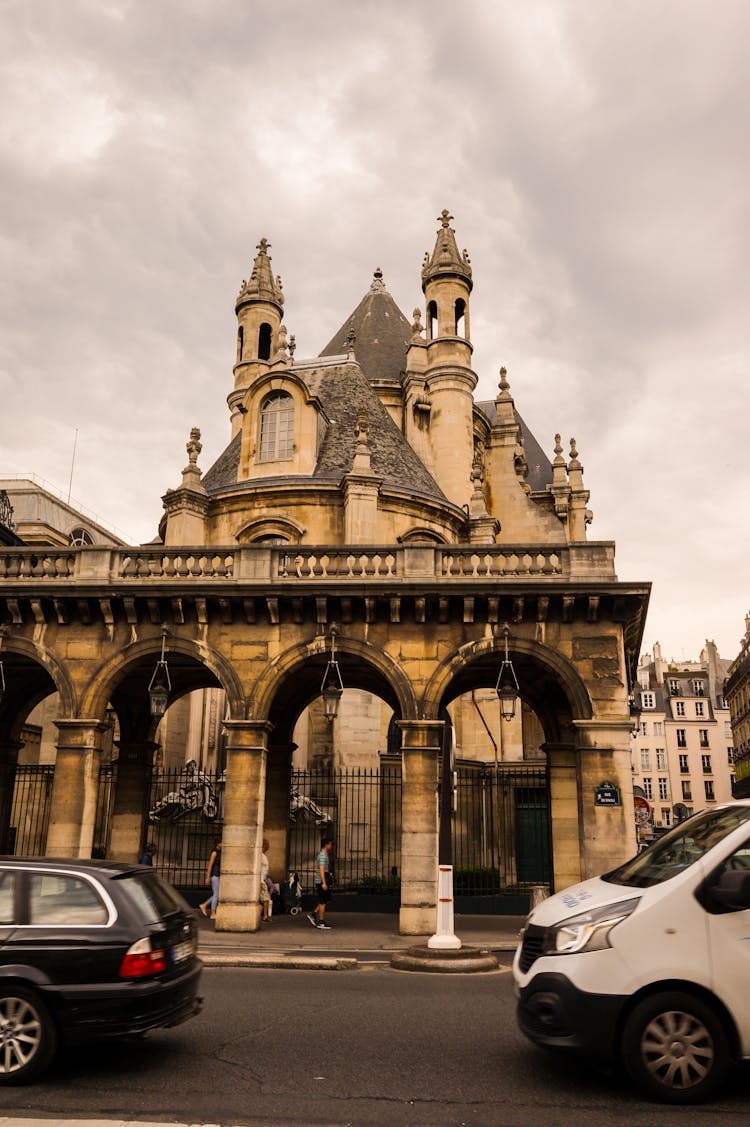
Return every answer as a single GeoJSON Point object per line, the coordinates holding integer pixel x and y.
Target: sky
{"type": "Point", "coordinates": [594, 155]}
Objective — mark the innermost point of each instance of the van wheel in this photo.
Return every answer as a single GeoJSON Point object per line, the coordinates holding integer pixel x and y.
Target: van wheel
{"type": "Point", "coordinates": [28, 1037]}
{"type": "Point", "coordinates": [674, 1048]}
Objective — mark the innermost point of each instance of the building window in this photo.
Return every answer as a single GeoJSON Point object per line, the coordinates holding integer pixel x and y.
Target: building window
{"type": "Point", "coordinates": [666, 817]}
{"type": "Point", "coordinates": [680, 708]}
{"type": "Point", "coordinates": [686, 791]}
{"type": "Point", "coordinates": [703, 733]}
{"type": "Point", "coordinates": [684, 769]}
{"type": "Point", "coordinates": [644, 728]}
{"type": "Point", "coordinates": [674, 687]}
{"type": "Point", "coordinates": [681, 738]}
{"type": "Point", "coordinates": [645, 759]}
{"type": "Point", "coordinates": [264, 341]}
{"type": "Point", "coordinates": [460, 313]}
{"type": "Point", "coordinates": [699, 688]}
{"type": "Point", "coordinates": [709, 785]}
{"type": "Point", "coordinates": [277, 427]}
{"type": "Point", "coordinates": [730, 756]}
{"type": "Point", "coordinates": [658, 728]}
{"type": "Point", "coordinates": [661, 759]}
{"type": "Point", "coordinates": [647, 788]}
{"type": "Point", "coordinates": [706, 764]}
{"type": "Point", "coordinates": [727, 729]}
{"type": "Point", "coordinates": [699, 708]}
{"type": "Point", "coordinates": [432, 317]}
{"type": "Point", "coordinates": [663, 790]}
{"type": "Point", "coordinates": [648, 700]}
{"type": "Point", "coordinates": [80, 538]}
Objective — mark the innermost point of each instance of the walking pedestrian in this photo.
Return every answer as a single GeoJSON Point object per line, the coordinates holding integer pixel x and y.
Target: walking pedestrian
{"type": "Point", "coordinates": [265, 892]}
{"type": "Point", "coordinates": [213, 873]}
{"type": "Point", "coordinates": [323, 883]}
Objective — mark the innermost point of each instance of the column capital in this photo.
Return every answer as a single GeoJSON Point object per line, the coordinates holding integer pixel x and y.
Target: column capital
{"type": "Point", "coordinates": [421, 735]}
{"type": "Point", "coordinates": [247, 735]}
{"type": "Point", "coordinates": [81, 733]}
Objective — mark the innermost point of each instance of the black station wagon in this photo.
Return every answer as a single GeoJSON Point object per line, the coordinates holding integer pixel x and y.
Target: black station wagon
{"type": "Point", "coordinates": [88, 949]}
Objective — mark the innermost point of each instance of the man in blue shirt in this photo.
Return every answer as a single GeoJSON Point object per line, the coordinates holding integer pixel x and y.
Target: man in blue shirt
{"type": "Point", "coordinates": [147, 857]}
{"type": "Point", "coordinates": [322, 885]}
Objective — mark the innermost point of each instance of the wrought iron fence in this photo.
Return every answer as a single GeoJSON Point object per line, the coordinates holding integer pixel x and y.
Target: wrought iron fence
{"type": "Point", "coordinates": [500, 832]}
{"type": "Point", "coordinates": [360, 809]}
{"type": "Point", "coordinates": [185, 819]}
{"type": "Point", "coordinates": [501, 829]}
{"type": "Point", "coordinates": [29, 810]}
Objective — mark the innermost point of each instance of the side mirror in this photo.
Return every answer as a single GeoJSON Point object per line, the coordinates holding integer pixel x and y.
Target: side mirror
{"type": "Point", "coordinates": [733, 889]}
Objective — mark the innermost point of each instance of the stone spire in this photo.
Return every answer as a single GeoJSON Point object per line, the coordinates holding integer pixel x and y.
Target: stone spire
{"type": "Point", "coordinates": [445, 258]}
{"type": "Point", "coordinates": [261, 286]}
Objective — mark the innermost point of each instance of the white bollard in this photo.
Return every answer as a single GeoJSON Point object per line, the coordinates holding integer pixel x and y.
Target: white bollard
{"type": "Point", "coordinates": [444, 938]}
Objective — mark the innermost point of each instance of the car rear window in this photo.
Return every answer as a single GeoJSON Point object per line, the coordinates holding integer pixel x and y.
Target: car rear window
{"type": "Point", "coordinates": [680, 848]}
{"type": "Point", "coordinates": [154, 897]}
{"type": "Point", "coordinates": [61, 899]}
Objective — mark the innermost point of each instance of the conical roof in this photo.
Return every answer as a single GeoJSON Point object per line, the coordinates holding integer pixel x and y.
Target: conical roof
{"type": "Point", "coordinates": [261, 285]}
{"type": "Point", "coordinates": [445, 258]}
{"type": "Point", "coordinates": [381, 334]}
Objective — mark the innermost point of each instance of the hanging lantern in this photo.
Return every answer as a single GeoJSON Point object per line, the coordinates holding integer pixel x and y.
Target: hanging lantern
{"type": "Point", "coordinates": [507, 684]}
{"type": "Point", "coordinates": [332, 686]}
{"type": "Point", "coordinates": [160, 685]}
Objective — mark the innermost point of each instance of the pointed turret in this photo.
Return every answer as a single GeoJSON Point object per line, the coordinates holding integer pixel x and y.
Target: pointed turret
{"type": "Point", "coordinates": [449, 379]}
{"type": "Point", "coordinates": [259, 308]}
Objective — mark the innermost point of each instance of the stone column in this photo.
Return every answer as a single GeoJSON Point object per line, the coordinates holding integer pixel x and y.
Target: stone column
{"type": "Point", "coordinates": [278, 775]}
{"type": "Point", "coordinates": [607, 832]}
{"type": "Point", "coordinates": [129, 813]}
{"type": "Point", "coordinates": [564, 817]}
{"type": "Point", "coordinates": [244, 811]}
{"type": "Point", "coordinates": [421, 746]}
{"type": "Point", "coordinates": [9, 750]}
{"type": "Point", "coordinates": [76, 788]}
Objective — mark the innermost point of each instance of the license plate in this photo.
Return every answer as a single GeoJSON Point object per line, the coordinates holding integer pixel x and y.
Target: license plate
{"type": "Point", "coordinates": [182, 951]}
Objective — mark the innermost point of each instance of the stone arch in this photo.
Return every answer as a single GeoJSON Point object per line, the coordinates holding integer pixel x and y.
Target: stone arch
{"type": "Point", "coordinates": [140, 658]}
{"type": "Point", "coordinates": [287, 685]}
{"type": "Point", "coordinates": [43, 673]}
{"type": "Point", "coordinates": [548, 681]}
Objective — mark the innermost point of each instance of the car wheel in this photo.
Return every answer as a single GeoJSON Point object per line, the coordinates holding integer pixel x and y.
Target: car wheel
{"type": "Point", "coordinates": [674, 1048]}
{"type": "Point", "coordinates": [28, 1037]}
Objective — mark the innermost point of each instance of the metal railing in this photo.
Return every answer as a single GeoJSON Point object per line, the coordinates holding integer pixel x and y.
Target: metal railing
{"type": "Point", "coordinates": [29, 810]}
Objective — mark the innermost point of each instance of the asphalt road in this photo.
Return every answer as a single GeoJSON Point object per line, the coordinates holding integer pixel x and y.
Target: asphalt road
{"type": "Point", "coordinates": [365, 1047]}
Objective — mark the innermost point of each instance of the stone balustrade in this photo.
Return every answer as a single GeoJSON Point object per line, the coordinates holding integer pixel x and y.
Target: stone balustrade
{"type": "Point", "coordinates": [301, 562]}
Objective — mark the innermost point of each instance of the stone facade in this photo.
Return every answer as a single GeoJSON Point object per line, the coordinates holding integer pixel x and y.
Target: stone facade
{"type": "Point", "coordinates": [737, 694]}
{"type": "Point", "coordinates": [365, 487]}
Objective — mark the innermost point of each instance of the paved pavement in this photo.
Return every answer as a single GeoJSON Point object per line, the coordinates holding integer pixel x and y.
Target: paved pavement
{"type": "Point", "coordinates": [354, 938]}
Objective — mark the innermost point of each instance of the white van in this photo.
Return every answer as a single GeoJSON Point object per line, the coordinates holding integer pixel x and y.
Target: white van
{"type": "Point", "coordinates": [649, 965]}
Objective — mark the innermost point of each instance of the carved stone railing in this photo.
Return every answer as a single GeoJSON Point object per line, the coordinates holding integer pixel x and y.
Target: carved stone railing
{"type": "Point", "coordinates": [283, 563]}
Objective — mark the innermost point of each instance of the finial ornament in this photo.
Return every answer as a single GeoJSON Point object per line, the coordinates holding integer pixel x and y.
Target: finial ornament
{"type": "Point", "coordinates": [558, 449]}
{"type": "Point", "coordinates": [351, 337]}
{"type": "Point", "coordinates": [194, 445]}
{"type": "Point", "coordinates": [377, 283]}
{"type": "Point", "coordinates": [445, 217]}
{"type": "Point", "coordinates": [263, 246]}
{"type": "Point", "coordinates": [504, 385]}
{"type": "Point", "coordinates": [292, 347]}
{"type": "Point", "coordinates": [573, 450]}
{"type": "Point", "coordinates": [416, 325]}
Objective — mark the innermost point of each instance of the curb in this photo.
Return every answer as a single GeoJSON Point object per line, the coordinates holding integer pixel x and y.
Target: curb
{"type": "Point", "coordinates": [280, 962]}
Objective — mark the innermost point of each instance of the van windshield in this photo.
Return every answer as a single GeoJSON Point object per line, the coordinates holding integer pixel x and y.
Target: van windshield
{"type": "Point", "coordinates": [680, 848]}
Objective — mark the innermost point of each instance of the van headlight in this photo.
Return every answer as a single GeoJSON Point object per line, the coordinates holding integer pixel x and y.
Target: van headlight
{"type": "Point", "coordinates": [588, 931]}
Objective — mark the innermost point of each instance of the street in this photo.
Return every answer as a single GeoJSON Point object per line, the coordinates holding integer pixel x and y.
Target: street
{"type": "Point", "coordinates": [372, 1046]}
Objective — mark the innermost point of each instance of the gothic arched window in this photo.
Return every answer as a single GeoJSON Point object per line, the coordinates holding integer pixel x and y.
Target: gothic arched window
{"type": "Point", "coordinates": [277, 427]}
{"type": "Point", "coordinates": [264, 341]}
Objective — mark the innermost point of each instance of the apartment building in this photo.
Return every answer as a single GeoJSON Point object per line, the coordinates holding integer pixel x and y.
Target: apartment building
{"type": "Point", "coordinates": [737, 692]}
{"type": "Point", "coordinates": [683, 754]}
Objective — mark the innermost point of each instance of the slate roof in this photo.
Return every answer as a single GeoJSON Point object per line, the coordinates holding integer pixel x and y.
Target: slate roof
{"type": "Point", "coordinates": [382, 334]}
{"type": "Point", "coordinates": [344, 392]}
{"type": "Point", "coordinates": [540, 467]}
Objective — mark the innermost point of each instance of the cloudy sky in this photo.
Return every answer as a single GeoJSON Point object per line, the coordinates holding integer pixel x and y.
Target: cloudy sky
{"type": "Point", "coordinates": [595, 156]}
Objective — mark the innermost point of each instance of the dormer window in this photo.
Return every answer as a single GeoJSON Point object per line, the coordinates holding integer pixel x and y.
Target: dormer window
{"type": "Point", "coordinates": [277, 427]}
{"type": "Point", "coordinates": [80, 538]}
{"type": "Point", "coordinates": [264, 341]}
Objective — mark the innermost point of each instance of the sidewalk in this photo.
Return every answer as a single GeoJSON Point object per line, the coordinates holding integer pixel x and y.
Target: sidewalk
{"type": "Point", "coordinates": [354, 938]}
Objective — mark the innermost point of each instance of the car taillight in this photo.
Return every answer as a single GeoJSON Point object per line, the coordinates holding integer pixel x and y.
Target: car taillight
{"type": "Point", "coordinates": [142, 960]}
